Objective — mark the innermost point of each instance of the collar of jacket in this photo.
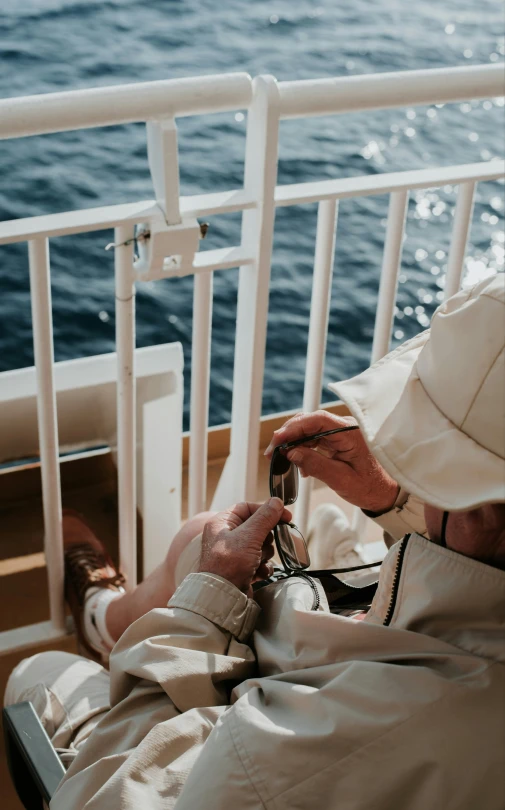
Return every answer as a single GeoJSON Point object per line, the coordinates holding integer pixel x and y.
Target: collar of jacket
{"type": "Point", "coordinates": [445, 595]}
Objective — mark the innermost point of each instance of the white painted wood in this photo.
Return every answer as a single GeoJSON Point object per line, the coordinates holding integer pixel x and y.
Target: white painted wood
{"type": "Point", "coordinates": [86, 405]}
{"type": "Point", "coordinates": [363, 186]}
{"type": "Point", "coordinates": [33, 635]}
{"type": "Point", "coordinates": [85, 372]}
{"type": "Point", "coordinates": [160, 418]}
{"type": "Point", "coordinates": [391, 263]}
{"type": "Point", "coordinates": [123, 104]}
{"type": "Point", "coordinates": [40, 294]}
{"type": "Point", "coordinates": [70, 222]}
{"type": "Point", "coordinates": [238, 480]}
{"type": "Point", "coordinates": [388, 90]}
{"type": "Point", "coordinates": [223, 202]}
{"type": "Point", "coordinates": [200, 380]}
{"type": "Point", "coordinates": [126, 422]}
{"type": "Point", "coordinates": [384, 317]}
{"type": "Point", "coordinates": [159, 454]}
{"type": "Point", "coordinates": [318, 330]}
{"type": "Point", "coordinates": [220, 259]}
{"type": "Point", "coordinates": [459, 238]}
{"type": "Point", "coordinates": [163, 157]}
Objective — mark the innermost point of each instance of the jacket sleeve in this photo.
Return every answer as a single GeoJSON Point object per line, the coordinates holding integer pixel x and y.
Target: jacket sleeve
{"type": "Point", "coordinates": [406, 516]}
{"type": "Point", "coordinates": [171, 672]}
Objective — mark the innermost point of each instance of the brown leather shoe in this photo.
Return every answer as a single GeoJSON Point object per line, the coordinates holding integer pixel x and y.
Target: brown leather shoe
{"type": "Point", "coordinates": [87, 565]}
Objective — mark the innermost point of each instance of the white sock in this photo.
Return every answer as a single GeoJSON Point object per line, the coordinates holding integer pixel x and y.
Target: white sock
{"type": "Point", "coordinates": [95, 607]}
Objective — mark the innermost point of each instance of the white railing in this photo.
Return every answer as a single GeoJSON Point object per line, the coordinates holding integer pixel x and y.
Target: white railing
{"type": "Point", "coordinates": [159, 104]}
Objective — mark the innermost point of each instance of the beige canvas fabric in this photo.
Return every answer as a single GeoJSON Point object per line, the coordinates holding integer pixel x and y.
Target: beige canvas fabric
{"type": "Point", "coordinates": [434, 409]}
{"type": "Point", "coordinates": [69, 693]}
{"type": "Point", "coordinates": [406, 516]}
{"type": "Point", "coordinates": [334, 714]}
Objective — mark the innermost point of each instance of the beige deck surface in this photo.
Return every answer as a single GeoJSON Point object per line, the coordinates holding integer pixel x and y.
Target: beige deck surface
{"type": "Point", "coordinates": [88, 485]}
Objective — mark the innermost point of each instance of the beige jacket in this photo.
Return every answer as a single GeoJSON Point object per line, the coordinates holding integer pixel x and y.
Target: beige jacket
{"type": "Point", "coordinates": [336, 713]}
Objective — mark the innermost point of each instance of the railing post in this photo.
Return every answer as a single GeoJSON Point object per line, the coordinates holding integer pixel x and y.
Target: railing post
{"type": "Point", "coordinates": [163, 156]}
{"type": "Point", "coordinates": [459, 238]}
{"type": "Point", "coordinates": [40, 289]}
{"type": "Point", "coordinates": [238, 480]}
{"type": "Point", "coordinates": [126, 413]}
{"type": "Point", "coordinates": [391, 263]}
{"type": "Point", "coordinates": [200, 377]}
{"type": "Point", "coordinates": [318, 331]}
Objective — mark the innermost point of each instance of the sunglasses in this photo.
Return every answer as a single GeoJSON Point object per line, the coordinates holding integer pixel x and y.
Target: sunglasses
{"type": "Point", "coordinates": [284, 479]}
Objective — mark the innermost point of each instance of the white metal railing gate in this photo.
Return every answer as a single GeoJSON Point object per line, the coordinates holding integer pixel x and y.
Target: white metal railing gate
{"type": "Point", "coordinates": [159, 104]}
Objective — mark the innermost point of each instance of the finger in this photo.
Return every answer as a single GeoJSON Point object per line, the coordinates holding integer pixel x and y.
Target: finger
{"type": "Point", "coordinates": [329, 471]}
{"type": "Point", "coordinates": [264, 571]}
{"type": "Point", "coordinates": [266, 517]}
{"type": "Point", "coordinates": [276, 440]}
{"type": "Point", "coordinates": [237, 514]}
{"type": "Point", "coordinates": [306, 424]}
{"type": "Point", "coordinates": [286, 515]}
{"type": "Point", "coordinates": [268, 550]}
{"type": "Point", "coordinates": [240, 512]}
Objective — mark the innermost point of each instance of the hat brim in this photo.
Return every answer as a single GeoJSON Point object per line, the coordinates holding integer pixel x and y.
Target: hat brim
{"type": "Point", "coordinates": [420, 448]}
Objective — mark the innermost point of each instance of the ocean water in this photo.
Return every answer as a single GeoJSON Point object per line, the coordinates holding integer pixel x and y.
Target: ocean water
{"type": "Point", "coordinates": [49, 45]}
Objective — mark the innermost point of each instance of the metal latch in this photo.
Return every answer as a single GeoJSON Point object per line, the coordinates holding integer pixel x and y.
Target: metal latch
{"type": "Point", "coordinates": [165, 250]}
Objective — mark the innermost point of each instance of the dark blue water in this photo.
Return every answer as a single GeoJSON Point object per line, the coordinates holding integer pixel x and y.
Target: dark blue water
{"type": "Point", "coordinates": [48, 45]}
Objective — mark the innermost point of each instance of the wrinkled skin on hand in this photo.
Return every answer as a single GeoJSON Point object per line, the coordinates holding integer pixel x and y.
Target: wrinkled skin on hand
{"type": "Point", "coordinates": [342, 461]}
{"type": "Point", "coordinates": [237, 544]}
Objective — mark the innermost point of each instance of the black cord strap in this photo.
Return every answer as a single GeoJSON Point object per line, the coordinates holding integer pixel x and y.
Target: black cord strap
{"type": "Point", "coordinates": [445, 518]}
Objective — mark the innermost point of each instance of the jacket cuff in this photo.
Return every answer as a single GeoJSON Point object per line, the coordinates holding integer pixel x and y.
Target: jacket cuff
{"type": "Point", "coordinates": [219, 601]}
{"type": "Point", "coordinates": [406, 516]}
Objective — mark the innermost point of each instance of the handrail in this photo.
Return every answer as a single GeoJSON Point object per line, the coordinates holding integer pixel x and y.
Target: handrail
{"type": "Point", "coordinates": [267, 102]}
{"type": "Point", "coordinates": [224, 202]}
{"type": "Point", "coordinates": [122, 104]}
{"type": "Point", "coordinates": [302, 99]}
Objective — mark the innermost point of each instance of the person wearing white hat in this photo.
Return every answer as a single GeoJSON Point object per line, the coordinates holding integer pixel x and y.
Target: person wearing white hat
{"type": "Point", "coordinates": [225, 698]}
{"type": "Point", "coordinates": [432, 433]}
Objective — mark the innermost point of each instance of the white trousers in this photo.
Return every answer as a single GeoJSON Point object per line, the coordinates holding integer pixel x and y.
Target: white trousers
{"type": "Point", "coordinates": [70, 694]}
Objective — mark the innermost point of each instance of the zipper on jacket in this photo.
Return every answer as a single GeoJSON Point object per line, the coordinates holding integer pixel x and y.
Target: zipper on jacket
{"type": "Point", "coordinates": [317, 599]}
{"type": "Point", "coordinates": [396, 580]}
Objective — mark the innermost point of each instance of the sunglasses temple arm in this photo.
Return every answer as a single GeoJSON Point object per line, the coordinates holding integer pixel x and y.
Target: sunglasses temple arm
{"type": "Point", "coordinates": [343, 570]}
{"type": "Point", "coordinates": [289, 445]}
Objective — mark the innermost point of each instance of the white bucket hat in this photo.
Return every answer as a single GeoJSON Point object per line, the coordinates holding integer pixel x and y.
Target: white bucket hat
{"type": "Point", "coordinates": [433, 410]}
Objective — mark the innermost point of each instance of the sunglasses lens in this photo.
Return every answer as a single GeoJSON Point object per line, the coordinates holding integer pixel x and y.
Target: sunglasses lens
{"type": "Point", "coordinates": [293, 546]}
{"type": "Point", "coordinates": [284, 479]}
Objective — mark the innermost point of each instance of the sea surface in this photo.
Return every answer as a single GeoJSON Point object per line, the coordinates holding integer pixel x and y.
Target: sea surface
{"type": "Point", "coordinates": [51, 45]}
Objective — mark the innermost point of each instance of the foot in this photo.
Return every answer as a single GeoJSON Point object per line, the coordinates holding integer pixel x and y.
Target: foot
{"type": "Point", "coordinates": [88, 569]}
{"type": "Point", "coordinates": [332, 542]}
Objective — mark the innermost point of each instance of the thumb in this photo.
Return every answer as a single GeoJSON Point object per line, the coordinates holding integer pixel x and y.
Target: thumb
{"type": "Point", "coordinates": [266, 517]}
{"type": "Point", "coordinates": [310, 462]}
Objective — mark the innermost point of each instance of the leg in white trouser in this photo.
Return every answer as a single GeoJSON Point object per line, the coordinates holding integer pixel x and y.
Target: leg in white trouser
{"type": "Point", "coordinates": [333, 543]}
{"type": "Point", "coordinates": [69, 693]}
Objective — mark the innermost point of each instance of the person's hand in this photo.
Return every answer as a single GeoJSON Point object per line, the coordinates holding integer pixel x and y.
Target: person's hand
{"type": "Point", "coordinates": [237, 544]}
{"type": "Point", "coordinates": [342, 461]}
